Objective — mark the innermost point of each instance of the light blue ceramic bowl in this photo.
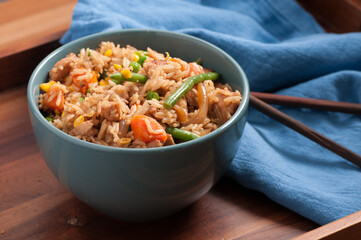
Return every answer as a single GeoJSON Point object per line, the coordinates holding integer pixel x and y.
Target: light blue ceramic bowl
{"type": "Point", "coordinates": [141, 184]}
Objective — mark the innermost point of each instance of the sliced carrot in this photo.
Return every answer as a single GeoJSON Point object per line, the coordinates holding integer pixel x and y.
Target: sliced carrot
{"type": "Point", "coordinates": [84, 84]}
{"type": "Point", "coordinates": [54, 99]}
{"type": "Point", "coordinates": [147, 129]}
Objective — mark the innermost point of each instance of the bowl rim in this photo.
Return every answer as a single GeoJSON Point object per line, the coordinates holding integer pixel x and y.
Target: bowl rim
{"type": "Point", "coordinates": [240, 112]}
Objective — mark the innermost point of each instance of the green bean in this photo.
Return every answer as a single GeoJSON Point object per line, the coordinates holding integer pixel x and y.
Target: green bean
{"type": "Point", "coordinates": [151, 95]}
{"type": "Point", "coordinates": [135, 66]}
{"type": "Point", "coordinates": [199, 61]}
{"type": "Point", "coordinates": [141, 53]}
{"type": "Point", "coordinates": [49, 119]}
{"type": "Point", "coordinates": [181, 134]}
{"type": "Point", "coordinates": [136, 77]}
{"type": "Point", "coordinates": [141, 60]}
{"type": "Point", "coordinates": [186, 87]}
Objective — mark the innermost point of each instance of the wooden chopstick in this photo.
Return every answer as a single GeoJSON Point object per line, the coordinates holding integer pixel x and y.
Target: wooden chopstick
{"type": "Point", "coordinates": [312, 103]}
{"type": "Point", "coordinates": [305, 131]}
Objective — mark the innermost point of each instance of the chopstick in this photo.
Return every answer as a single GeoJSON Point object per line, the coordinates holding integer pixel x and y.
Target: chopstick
{"type": "Point", "coordinates": [312, 103]}
{"type": "Point", "coordinates": [305, 131]}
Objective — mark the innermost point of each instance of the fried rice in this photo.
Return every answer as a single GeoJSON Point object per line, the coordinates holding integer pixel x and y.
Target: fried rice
{"type": "Point", "coordinates": [82, 100]}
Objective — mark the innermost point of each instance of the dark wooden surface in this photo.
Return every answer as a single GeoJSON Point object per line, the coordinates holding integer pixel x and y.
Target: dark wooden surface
{"type": "Point", "coordinates": [34, 205]}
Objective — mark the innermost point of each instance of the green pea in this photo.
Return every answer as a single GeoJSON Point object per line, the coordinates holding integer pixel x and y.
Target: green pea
{"type": "Point", "coordinates": [151, 95]}
{"type": "Point", "coordinates": [141, 60]}
{"type": "Point", "coordinates": [135, 66]}
{"type": "Point", "coordinates": [49, 119]}
{"type": "Point", "coordinates": [82, 99]}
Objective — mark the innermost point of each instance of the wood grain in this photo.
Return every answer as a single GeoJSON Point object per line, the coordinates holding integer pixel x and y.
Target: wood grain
{"type": "Point", "coordinates": [31, 24]}
{"type": "Point", "coordinates": [345, 228]}
{"type": "Point", "coordinates": [34, 205]}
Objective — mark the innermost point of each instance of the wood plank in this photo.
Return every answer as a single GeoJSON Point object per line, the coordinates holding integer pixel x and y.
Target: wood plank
{"type": "Point", "coordinates": [28, 25]}
{"type": "Point", "coordinates": [34, 205]}
{"type": "Point", "coordinates": [348, 227]}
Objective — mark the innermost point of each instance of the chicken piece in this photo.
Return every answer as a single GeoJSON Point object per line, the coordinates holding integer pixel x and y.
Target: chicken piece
{"type": "Point", "coordinates": [222, 109]}
{"type": "Point", "coordinates": [111, 111]}
{"type": "Point", "coordinates": [84, 129]}
{"type": "Point", "coordinates": [154, 143]}
{"type": "Point", "coordinates": [62, 68]}
{"type": "Point", "coordinates": [169, 141]}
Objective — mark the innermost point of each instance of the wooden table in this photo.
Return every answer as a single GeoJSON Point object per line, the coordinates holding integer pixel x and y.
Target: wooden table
{"type": "Point", "coordinates": [34, 205]}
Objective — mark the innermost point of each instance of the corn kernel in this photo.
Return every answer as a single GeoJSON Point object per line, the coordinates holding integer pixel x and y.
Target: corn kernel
{"type": "Point", "coordinates": [46, 86]}
{"type": "Point", "coordinates": [78, 121]}
{"type": "Point", "coordinates": [167, 57]}
{"type": "Point", "coordinates": [62, 114]}
{"type": "Point", "coordinates": [117, 67]}
{"type": "Point", "coordinates": [125, 140]}
{"type": "Point", "coordinates": [135, 58]}
{"type": "Point", "coordinates": [108, 53]}
{"type": "Point", "coordinates": [103, 83]}
{"type": "Point", "coordinates": [126, 73]}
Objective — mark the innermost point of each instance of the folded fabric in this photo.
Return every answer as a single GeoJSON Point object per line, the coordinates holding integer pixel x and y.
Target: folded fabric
{"type": "Point", "coordinates": [282, 49]}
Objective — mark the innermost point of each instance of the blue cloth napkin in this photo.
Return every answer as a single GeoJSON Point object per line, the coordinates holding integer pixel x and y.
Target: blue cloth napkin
{"type": "Point", "coordinates": [283, 50]}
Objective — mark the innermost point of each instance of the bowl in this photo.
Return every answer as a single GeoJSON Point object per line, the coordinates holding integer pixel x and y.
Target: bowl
{"type": "Point", "coordinates": [141, 184]}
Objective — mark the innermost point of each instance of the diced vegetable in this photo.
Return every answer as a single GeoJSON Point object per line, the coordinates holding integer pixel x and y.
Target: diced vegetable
{"type": "Point", "coordinates": [135, 77]}
{"type": "Point", "coordinates": [181, 134]}
{"type": "Point", "coordinates": [141, 53]}
{"type": "Point", "coordinates": [151, 95]}
{"type": "Point", "coordinates": [135, 57]}
{"type": "Point", "coordinates": [46, 86]}
{"type": "Point", "coordinates": [141, 60]}
{"type": "Point", "coordinates": [82, 99]}
{"type": "Point", "coordinates": [171, 100]}
{"type": "Point", "coordinates": [78, 121]}
{"type": "Point", "coordinates": [147, 129]}
{"type": "Point", "coordinates": [103, 82]}
{"type": "Point", "coordinates": [108, 53]}
{"type": "Point", "coordinates": [49, 119]}
{"type": "Point", "coordinates": [135, 66]}
{"type": "Point", "coordinates": [54, 99]}
{"type": "Point", "coordinates": [89, 89]}
{"type": "Point", "coordinates": [117, 67]}
{"type": "Point", "coordinates": [125, 140]}
{"type": "Point", "coordinates": [89, 53]}
{"type": "Point", "coordinates": [84, 84]}
{"type": "Point", "coordinates": [126, 73]}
